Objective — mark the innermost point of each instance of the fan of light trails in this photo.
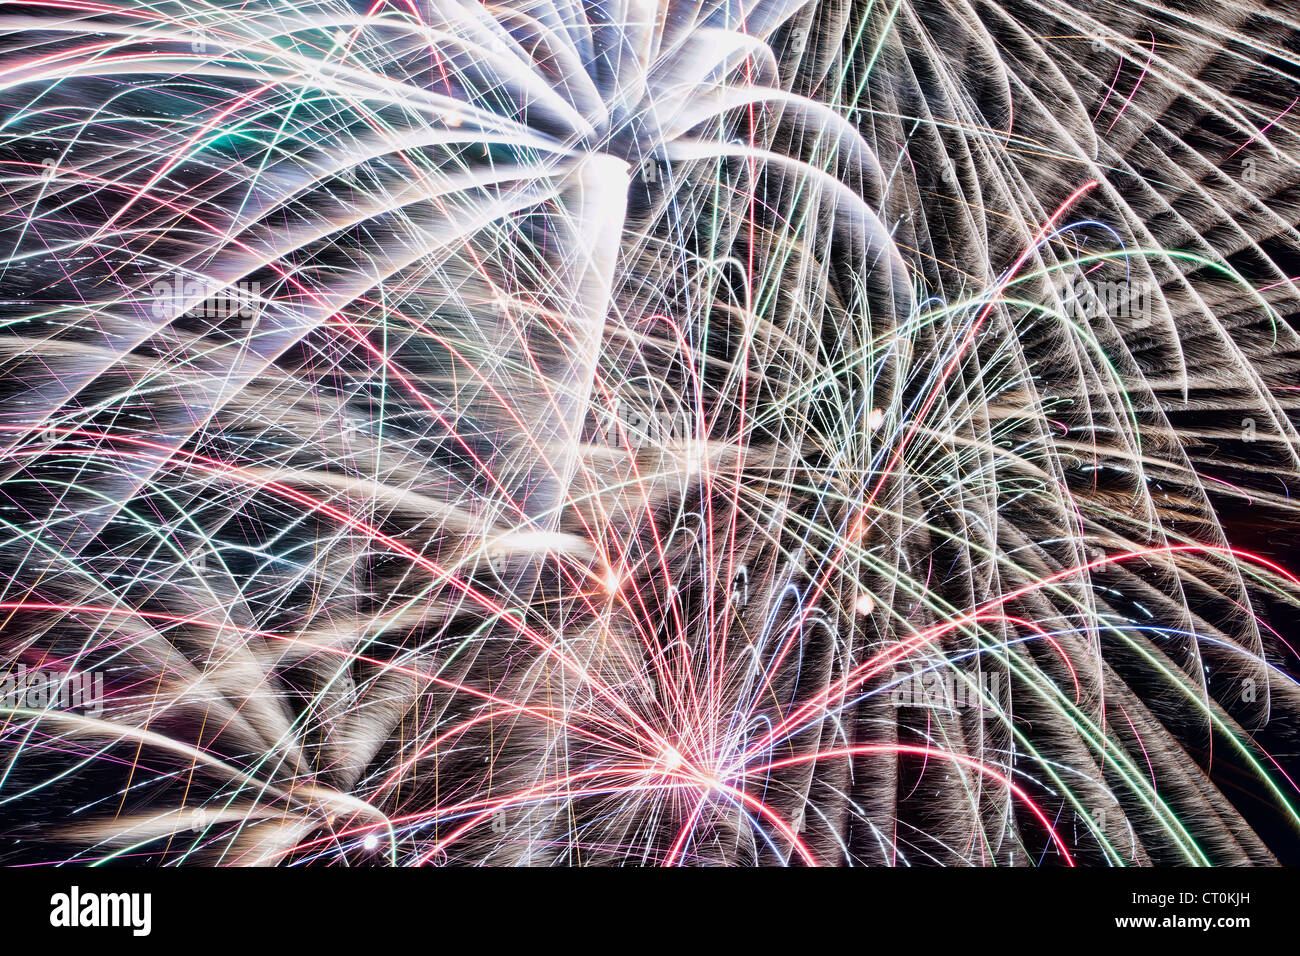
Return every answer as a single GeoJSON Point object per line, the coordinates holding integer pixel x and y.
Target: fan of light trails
{"type": "Point", "coordinates": [745, 432]}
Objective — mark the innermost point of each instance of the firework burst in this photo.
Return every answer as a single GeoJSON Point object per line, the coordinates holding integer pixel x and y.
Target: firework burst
{"type": "Point", "coordinates": [661, 433]}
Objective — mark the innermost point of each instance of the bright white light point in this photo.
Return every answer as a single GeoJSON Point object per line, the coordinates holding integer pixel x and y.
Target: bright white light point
{"type": "Point", "coordinates": [864, 603]}
{"type": "Point", "coordinates": [694, 459]}
{"type": "Point", "coordinates": [672, 759]}
{"type": "Point", "coordinates": [370, 842]}
{"type": "Point", "coordinates": [876, 419]}
{"type": "Point", "coordinates": [613, 581]}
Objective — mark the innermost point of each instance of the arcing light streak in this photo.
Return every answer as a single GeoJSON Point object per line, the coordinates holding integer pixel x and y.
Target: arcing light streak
{"type": "Point", "coordinates": [538, 433]}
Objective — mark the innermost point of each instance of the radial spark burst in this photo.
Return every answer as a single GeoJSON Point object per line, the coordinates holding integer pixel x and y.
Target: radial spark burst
{"type": "Point", "coordinates": [679, 432]}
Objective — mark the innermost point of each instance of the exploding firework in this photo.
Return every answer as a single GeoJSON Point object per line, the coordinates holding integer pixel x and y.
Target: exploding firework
{"type": "Point", "coordinates": [723, 432]}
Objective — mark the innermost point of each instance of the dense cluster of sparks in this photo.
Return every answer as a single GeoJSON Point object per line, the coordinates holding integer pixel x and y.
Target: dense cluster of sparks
{"type": "Point", "coordinates": [569, 433]}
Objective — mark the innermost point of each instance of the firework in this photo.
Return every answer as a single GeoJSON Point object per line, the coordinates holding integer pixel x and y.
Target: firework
{"type": "Point", "coordinates": [654, 433]}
